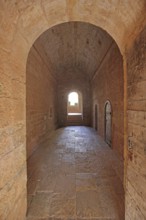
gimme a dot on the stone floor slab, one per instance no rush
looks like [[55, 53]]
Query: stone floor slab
[[75, 176]]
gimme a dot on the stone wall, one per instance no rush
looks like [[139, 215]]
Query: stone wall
[[108, 84], [13, 179], [136, 170], [73, 80], [41, 100], [21, 24]]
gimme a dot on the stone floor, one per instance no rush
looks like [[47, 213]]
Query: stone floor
[[74, 176]]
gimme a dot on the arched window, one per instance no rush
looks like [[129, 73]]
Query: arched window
[[73, 98], [108, 123], [74, 103]]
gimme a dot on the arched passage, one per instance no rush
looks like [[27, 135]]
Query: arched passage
[[29, 21], [67, 58]]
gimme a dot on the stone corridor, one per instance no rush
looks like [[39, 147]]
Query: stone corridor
[[73, 176]]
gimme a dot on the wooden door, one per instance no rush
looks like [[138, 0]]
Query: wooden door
[[108, 123], [96, 118]]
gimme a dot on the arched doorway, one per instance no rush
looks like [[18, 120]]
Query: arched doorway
[[108, 123], [96, 118]]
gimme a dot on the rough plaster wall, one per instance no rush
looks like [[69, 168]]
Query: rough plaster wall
[[108, 85], [41, 97], [74, 80], [136, 171]]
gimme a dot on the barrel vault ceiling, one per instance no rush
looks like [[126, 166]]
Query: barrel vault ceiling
[[74, 45]]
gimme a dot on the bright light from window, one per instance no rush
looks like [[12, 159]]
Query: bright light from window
[[73, 98]]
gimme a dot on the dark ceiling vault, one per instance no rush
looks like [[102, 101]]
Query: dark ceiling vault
[[74, 45]]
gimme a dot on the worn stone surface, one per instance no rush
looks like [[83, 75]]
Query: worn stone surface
[[136, 181], [108, 84], [76, 178], [41, 99]]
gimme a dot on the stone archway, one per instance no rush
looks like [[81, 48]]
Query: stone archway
[[21, 24]]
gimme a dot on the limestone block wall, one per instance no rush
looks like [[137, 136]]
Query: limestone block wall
[[13, 55], [41, 100], [108, 84], [21, 24], [74, 80], [136, 169]]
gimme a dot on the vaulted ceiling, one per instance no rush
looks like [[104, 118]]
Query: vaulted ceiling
[[74, 45]]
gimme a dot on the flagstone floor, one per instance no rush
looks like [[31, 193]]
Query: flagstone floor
[[75, 176]]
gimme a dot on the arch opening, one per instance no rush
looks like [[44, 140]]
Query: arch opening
[[73, 99], [74, 108], [74, 104], [69, 66]]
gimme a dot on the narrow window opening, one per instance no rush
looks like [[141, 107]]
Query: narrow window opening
[[73, 99], [74, 106]]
